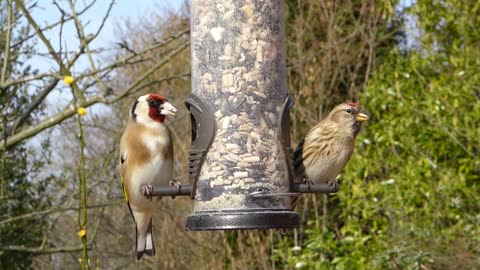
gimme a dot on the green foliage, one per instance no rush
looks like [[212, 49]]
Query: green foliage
[[410, 195], [23, 195], [331, 48]]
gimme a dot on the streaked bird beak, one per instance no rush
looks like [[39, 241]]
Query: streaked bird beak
[[362, 117], [168, 109]]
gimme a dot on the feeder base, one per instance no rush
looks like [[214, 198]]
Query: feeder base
[[242, 220]]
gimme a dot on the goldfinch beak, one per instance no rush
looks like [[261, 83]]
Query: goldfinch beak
[[362, 117], [168, 109]]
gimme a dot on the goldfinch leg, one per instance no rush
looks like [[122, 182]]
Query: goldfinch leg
[[147, 190], [176, 183]]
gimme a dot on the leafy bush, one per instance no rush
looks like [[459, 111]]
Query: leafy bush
[[409, 199]]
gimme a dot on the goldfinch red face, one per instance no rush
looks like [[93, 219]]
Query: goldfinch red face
[[152, 107]]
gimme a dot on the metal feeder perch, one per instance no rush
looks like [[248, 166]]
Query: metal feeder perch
[[239, 162]]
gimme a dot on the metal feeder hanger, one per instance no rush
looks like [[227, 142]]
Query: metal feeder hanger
[[240, 159]]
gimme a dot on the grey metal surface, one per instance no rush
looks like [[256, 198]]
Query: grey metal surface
[[172, 191], [317, 188], [297, 190], [242, 220]]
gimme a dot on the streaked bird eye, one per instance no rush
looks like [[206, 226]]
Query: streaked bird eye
[[348, 110]]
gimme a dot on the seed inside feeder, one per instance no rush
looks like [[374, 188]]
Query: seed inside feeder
[[240, 73]]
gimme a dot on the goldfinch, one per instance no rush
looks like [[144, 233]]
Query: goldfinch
[[146, 159], [328, 146]]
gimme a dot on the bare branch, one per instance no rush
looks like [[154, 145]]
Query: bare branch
[[179, 76], [84, 42], [64, 70], [7, 42], [9, 134], [57, 119], [40, 250], [51, 26], [70, 111], [126, 60], [134, 85], [26, 216], [25, 79], [39, 98], [58, 209]]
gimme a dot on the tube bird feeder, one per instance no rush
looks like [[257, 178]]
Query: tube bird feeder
[[239, 160]]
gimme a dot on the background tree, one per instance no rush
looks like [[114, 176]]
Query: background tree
[[49, 210], [22, 185], [407, 197]]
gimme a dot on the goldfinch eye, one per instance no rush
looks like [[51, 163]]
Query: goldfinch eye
[[152, 102], [348, 110]]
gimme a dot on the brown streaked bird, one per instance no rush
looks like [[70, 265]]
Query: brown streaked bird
[[328, 146], [146, 159]]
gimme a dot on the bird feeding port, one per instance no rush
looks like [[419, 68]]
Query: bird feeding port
[[239, 162]]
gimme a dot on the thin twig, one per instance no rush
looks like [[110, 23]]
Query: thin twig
[[125, 60], [63, 68], [82, 211], [52, 121], [134, 85], [51, 26], [58, 209], [85, 40], [6, 55], [23, 249]]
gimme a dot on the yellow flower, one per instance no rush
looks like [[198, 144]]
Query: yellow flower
[[82, 111], [68, 80], [82, 233]]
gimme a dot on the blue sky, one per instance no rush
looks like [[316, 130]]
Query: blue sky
[[47, 13]]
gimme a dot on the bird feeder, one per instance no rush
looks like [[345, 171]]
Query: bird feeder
[[239, 162], [239, 98]]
